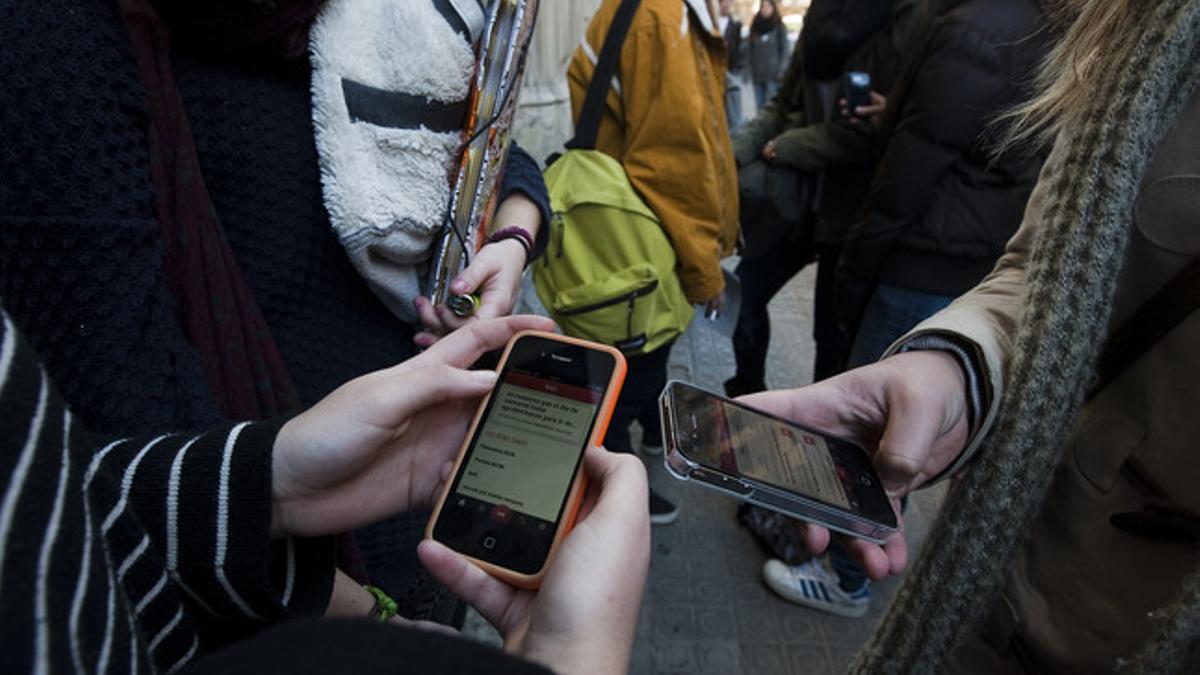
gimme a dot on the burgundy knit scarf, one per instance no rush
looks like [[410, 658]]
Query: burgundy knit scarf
[[214, 305]]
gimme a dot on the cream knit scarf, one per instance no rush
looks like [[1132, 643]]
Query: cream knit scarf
[[1073, 273]]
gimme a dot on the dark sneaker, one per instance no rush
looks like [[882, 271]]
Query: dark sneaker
[[662, 512], [735, 387]]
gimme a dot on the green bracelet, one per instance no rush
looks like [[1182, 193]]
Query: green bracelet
[[385, 607]]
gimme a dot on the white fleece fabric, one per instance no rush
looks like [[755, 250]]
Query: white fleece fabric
[[387, 190]]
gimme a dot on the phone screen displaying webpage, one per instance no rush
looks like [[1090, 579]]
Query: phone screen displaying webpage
[[526, 451], [748, 444], [510, 491], [743, 442]]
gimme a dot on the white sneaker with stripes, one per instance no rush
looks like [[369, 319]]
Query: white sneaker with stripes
[[813, 585]]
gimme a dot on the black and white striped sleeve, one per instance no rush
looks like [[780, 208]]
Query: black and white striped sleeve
[[205, 504], [193, 510]]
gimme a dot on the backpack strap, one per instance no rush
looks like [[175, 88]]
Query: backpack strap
[[588, 126], [1171, 304]]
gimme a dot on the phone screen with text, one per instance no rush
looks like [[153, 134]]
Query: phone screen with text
[[743, 442], [527, 448], [778, 454], [512, 487]]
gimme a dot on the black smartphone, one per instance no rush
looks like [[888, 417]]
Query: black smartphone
[[858, 90], [518, 481], [770, 462]]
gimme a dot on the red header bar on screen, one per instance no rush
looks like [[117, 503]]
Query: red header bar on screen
[[553, 388]]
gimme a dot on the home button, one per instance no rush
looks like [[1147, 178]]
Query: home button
[[489, 541]]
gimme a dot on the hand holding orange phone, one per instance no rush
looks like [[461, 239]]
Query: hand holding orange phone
[[518, 482]]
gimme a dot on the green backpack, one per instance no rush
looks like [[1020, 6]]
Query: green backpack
[[608, 274]]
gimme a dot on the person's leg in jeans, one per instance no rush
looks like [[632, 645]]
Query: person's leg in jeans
[[851, 576], [760, 95], [891, 312], [651, 422], [833, 343], [644, 380], [761, 279], [770, 89]]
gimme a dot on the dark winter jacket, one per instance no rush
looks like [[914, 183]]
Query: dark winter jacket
[[808, 140], [734, 46], [942, 206], [768, 52], [834, 29]]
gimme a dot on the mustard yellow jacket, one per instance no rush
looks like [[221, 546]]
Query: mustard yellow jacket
[[665, 122]]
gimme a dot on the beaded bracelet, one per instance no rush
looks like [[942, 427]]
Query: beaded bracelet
[[385, 607], [518, 233]]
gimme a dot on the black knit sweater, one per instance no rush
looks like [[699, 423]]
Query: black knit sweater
[[80, 260], [131, 555], [140, 555]]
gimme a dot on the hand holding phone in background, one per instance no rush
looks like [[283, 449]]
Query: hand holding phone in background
[[861, 103], [857, 86], [771, 462]]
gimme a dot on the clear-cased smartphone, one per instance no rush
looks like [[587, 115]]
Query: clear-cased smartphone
[[771, 462], [518, 482], [858, 90]]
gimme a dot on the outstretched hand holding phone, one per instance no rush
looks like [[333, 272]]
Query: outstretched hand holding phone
[[910, 410]]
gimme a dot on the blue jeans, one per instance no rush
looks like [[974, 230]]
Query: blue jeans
[[733, 101], [763, 91], [891, 312]]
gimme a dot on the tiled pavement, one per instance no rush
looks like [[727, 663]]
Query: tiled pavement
[[706, 609]]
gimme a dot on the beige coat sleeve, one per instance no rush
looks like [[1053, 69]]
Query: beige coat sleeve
[[986, 318]]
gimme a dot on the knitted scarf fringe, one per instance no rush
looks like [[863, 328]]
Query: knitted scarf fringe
[[1075, 263]]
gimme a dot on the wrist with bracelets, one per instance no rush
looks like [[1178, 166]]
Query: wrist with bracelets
[[384, 608], [518, 234]]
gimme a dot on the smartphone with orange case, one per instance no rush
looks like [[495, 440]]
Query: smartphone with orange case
[[518, 481]]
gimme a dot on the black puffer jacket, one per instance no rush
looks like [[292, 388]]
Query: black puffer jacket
[[942, 206]]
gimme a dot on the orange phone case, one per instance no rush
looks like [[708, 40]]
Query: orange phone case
[[578, 483]]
